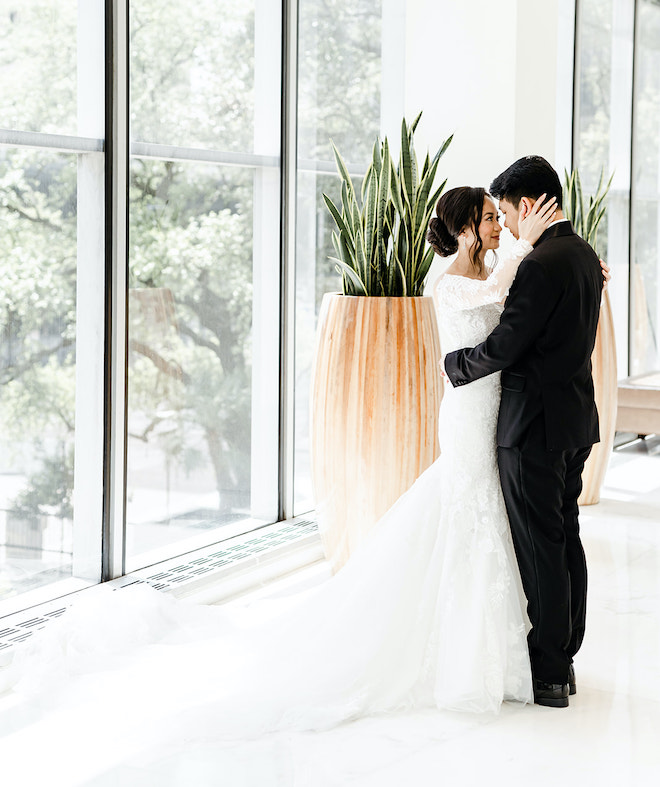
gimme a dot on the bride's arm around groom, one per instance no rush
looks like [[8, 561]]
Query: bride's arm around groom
[[547, 421]]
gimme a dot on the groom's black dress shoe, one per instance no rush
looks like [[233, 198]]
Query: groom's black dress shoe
[[555, 695], [572, 687]]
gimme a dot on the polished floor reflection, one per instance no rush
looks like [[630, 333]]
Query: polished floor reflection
[[608, 735]]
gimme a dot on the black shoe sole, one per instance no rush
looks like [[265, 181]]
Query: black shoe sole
[[552, 702]]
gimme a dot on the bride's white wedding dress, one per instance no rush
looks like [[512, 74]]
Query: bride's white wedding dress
[[428, 613]]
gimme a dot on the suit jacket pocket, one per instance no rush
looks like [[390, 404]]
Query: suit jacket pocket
[[513, 382]]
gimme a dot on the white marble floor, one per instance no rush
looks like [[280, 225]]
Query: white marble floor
[[610, 734]]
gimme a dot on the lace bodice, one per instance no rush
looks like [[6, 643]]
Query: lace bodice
[[459, 292], [466, 327], [469, 309]]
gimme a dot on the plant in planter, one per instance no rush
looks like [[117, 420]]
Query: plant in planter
[[376, 387], [585, 219], [381, 240]]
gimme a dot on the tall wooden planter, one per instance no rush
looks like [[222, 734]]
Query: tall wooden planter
[[603, 362], [376, 393]]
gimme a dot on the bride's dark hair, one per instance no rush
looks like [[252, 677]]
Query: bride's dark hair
[[457, 209]]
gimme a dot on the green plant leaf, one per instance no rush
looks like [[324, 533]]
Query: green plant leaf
[[369, 207], [445, 145], [585, 221], [355, 280], [593, 235], [406, 167], [382, 201], [346, 250], [413, 127], [343, 169], [436, 195], [337, 216], [376, 160], [335, 242], [361, 262], [381, 236], [346, 205], [395, 192], [421, 201], [402, 274], [422, 272], [365, 182]]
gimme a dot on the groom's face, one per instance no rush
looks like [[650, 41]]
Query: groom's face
[[511, 216]]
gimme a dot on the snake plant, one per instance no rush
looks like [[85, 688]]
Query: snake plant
[[380, 237], [585, 218]]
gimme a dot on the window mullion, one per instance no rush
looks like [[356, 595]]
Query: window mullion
[[117, 152], [289, 143]]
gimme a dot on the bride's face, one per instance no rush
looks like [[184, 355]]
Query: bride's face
[[489, 228]]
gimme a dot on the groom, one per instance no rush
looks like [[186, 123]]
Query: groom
[[547, 421]]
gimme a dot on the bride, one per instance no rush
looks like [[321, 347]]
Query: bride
[[429, 612]]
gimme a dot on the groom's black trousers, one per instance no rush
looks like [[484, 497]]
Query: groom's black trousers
[[541, 489]]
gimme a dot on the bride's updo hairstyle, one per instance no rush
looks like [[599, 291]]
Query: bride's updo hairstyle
[[457, 209]]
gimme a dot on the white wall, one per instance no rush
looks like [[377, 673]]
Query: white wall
[[497, 75]]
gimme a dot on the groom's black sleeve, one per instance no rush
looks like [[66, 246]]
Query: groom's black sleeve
[[531, 300]]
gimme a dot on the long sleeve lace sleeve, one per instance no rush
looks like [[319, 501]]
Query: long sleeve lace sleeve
[[459, 292]]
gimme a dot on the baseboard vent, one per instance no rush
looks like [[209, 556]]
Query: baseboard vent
[[242, 553], [185, 575], [21, 630]]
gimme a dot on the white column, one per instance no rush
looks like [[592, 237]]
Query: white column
[[536, 85], [393, 68], [460, 70]]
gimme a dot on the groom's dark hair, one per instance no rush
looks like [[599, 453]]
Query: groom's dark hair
[[530, 176]]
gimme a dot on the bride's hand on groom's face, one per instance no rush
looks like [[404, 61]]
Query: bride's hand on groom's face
[[534, 220]]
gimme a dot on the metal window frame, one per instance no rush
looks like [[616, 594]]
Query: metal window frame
[[118, 151], [633, 191], [59, 143], [631, 152], [288, 198], [116, 278]]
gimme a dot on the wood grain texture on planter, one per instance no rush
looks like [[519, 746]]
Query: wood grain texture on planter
[[376, 393]]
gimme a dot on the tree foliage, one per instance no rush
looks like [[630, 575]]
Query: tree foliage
[[190, 240]]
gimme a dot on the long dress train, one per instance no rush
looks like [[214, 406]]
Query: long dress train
[[429, 612]]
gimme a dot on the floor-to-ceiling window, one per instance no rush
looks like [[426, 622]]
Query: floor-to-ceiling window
[[603, 103], [203, 268], [618, 129], [645, 214], [141, 356], [51, 276]]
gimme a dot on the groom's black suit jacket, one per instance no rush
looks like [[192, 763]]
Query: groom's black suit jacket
[[543, 344]]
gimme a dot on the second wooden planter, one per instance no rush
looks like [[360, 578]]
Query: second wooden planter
[[603, 364], [376, 394]]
